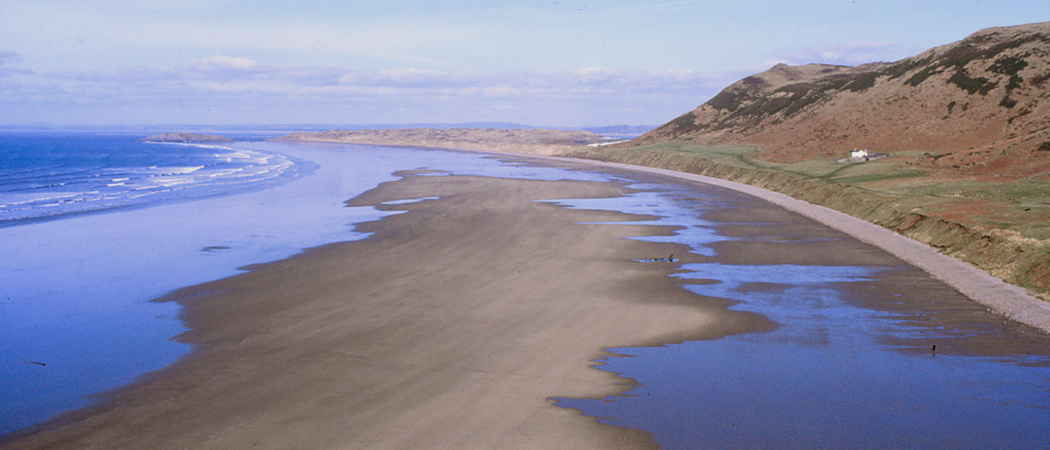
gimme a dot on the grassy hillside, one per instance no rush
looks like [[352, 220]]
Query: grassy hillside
[[980, 106], [1001, 226], [966, 127]]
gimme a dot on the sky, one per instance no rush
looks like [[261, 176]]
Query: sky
[[544, 63]]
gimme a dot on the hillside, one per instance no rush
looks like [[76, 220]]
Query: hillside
[[979, 106], [965, 129]]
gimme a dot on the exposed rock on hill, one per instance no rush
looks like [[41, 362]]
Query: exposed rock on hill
[[980, 106]]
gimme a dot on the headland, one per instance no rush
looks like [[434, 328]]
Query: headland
[[187, 138]]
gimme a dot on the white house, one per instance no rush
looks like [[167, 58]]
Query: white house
[[858, 153]]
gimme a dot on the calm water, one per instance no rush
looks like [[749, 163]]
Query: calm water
[[852, 363]]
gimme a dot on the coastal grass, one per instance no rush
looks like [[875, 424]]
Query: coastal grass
[[999, 224]]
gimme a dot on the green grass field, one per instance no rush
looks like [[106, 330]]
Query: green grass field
[[1002, 226], [1022, 206]]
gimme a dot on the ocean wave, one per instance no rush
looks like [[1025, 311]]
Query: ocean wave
[[166, 171], [33, 193]]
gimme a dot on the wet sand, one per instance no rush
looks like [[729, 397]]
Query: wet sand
[[451, 327], [1012, 302]]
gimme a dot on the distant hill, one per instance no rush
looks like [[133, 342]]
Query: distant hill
[[612, 131], [186, 138], [979, 106], [533, 141], [618, 131]]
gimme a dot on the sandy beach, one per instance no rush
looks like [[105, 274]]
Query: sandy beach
[[449, 328], [452, 326]]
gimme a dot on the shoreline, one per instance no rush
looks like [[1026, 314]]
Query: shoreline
[[320, 272], [1013, 302], [452, 325], [1005, 299]]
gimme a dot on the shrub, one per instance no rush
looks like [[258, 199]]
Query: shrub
[[899, 69], [862, 82], [686, 123], [922, 75], [803, 102], [1039, 79], [753, 81], [980, 85], [727, 99], [1009, 65]]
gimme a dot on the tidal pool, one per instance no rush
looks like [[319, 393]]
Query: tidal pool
[[868, 352]]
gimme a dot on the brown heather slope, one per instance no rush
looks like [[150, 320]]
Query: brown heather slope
[[979, 106], [966, 128]]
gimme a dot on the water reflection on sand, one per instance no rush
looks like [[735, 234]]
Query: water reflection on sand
[[869, 352]]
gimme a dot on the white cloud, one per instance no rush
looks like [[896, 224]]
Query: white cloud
[[223, 63], [849, 54], [296, 94], [88, 36], [502, 91]]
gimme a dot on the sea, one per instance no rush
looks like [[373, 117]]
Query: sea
[[93, 226]]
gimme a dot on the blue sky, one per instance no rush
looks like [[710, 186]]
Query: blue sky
[[554, 63]]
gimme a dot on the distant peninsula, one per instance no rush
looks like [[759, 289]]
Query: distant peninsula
[[534, 141], [187, 138]]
